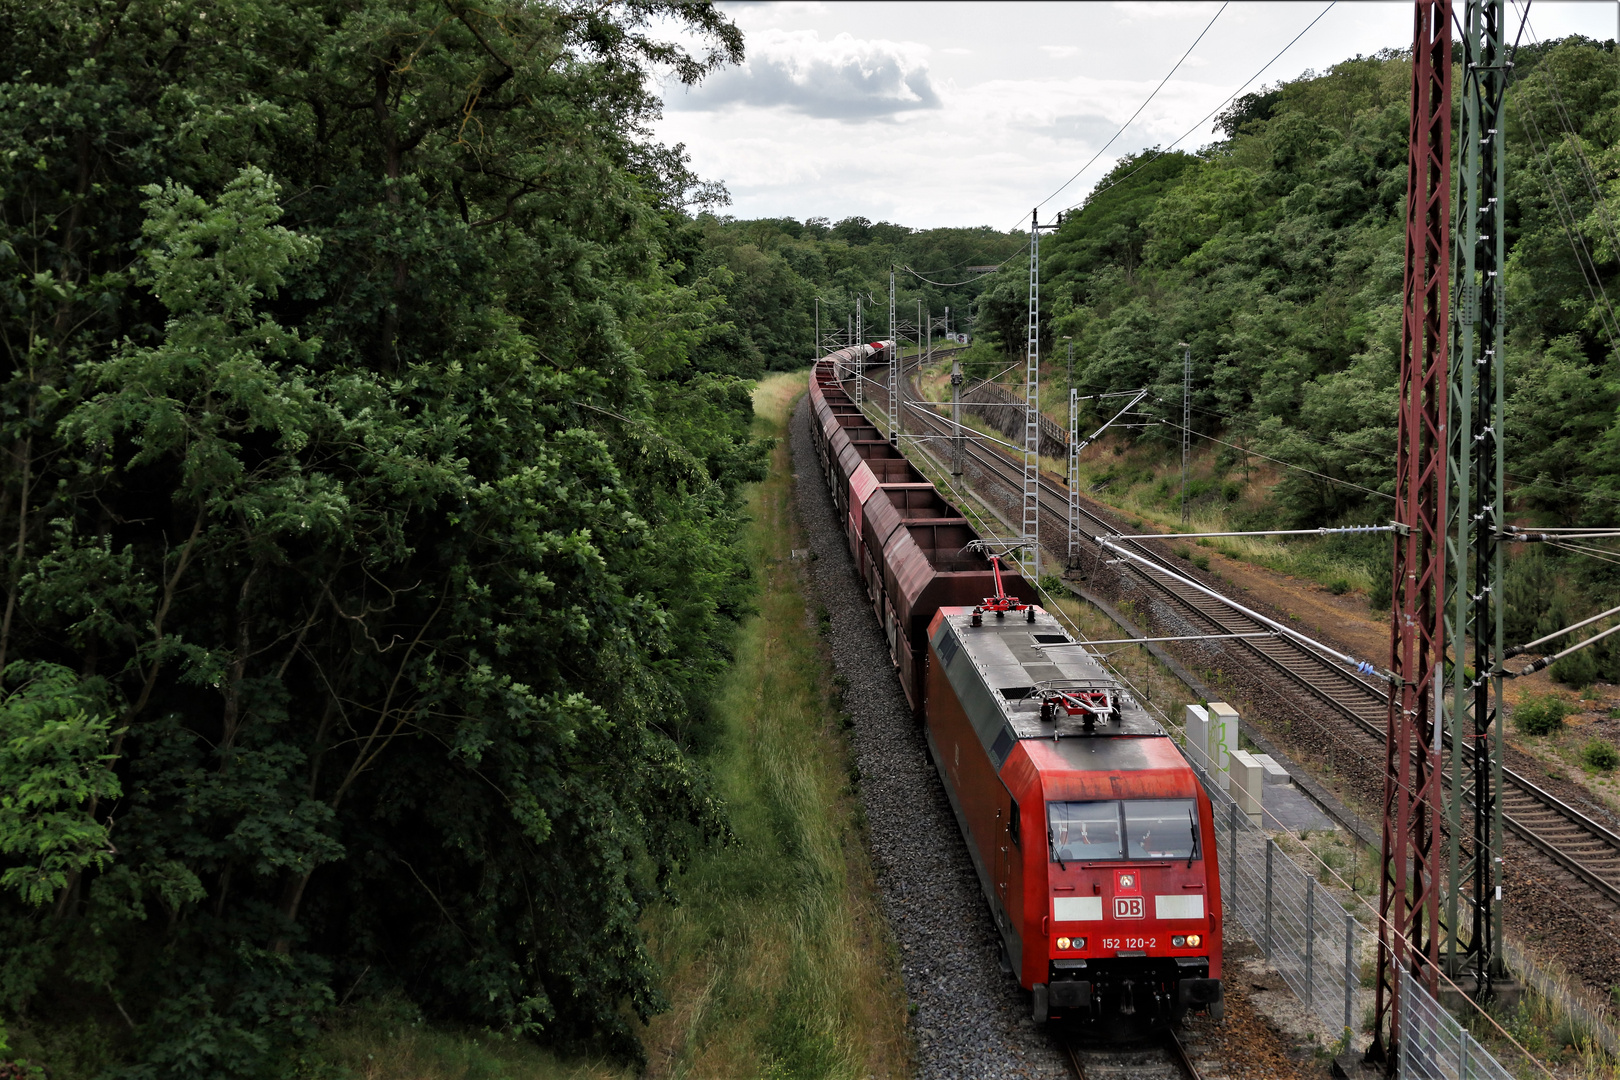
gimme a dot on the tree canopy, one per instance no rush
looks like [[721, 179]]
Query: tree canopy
[[370, 460]]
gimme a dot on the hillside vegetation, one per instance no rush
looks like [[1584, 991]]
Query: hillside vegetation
[[1276, 253]]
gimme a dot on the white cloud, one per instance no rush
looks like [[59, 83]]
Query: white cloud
[[846, 78], [1060, 51], [1160, 11]]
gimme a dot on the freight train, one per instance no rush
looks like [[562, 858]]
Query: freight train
[[1093, 840]]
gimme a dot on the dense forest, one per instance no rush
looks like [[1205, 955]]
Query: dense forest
[[775, 269], [370, 461], [1276, 253], [375, 409]]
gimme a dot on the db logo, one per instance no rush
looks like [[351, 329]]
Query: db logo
[[1128, 907]]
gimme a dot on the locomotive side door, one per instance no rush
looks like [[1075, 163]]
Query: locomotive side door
[[1006, 837]]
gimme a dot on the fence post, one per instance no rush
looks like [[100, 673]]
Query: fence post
[[1234, 860], [1310, 937], [1350, 979], [1271, 846]]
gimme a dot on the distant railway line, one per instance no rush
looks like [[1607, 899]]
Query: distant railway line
[[1571, 839]]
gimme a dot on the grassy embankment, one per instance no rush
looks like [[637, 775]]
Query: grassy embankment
[[1143, 480], [778, 962]]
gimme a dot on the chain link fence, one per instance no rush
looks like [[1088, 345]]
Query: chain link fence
[[1311, 940], [1434, 1046]]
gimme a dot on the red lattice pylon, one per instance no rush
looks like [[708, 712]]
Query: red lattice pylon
[[1408, 930]]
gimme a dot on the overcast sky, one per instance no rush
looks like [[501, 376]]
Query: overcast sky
[[971, 113]]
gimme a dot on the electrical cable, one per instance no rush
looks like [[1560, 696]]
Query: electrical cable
[[1564, 208], [1279, 461], [1520, 477], [1594, 189], [1157, 153], [1132, 120], [969, 281]]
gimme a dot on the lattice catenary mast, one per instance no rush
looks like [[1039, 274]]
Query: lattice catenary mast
[[1474, 565], [1031, 530], [1408, 928], [894, 369]]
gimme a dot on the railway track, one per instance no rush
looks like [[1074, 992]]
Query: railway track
[[1163, 1059], [1580, 845]]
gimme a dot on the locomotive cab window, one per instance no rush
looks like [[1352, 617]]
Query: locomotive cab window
[[1132, 829], [1161, 828], [1083, 830]]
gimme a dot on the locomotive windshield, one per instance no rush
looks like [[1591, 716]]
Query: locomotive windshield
[[1084, 830], [1151, 828], [1161, 828]]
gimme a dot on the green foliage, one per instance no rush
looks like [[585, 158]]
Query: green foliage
[[1276, 254], [1600, 754], [372, 453], [775, 268], [53, 772], [1579, 669], [1541, 715]]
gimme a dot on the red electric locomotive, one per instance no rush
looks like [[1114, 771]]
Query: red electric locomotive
[[1093, 840]]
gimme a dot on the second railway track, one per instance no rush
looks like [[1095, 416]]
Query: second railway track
[[1573, 840]]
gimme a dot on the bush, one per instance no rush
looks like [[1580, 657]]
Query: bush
[[1201, 561], [1379, 594], [1339, 586], [1578, 669], [1541, 716], [1600, 754]]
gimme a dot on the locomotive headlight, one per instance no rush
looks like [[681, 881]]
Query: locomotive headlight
[[1063, 943], [1178, 942], [1193, 940], [1079, 942]]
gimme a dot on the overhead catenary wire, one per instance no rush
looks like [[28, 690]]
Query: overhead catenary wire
[[1279, 461], [1347, 445], [1594, 188], [1132, 119], [971, 280], [1157, 153]]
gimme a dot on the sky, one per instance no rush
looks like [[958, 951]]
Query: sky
[[935, 114]]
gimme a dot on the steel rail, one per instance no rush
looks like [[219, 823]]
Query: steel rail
[[1174, 1051], [1302, 667]]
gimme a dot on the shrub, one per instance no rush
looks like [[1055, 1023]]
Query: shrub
[[1183, 552], [1578, 669], [1338, 586], [1600, 754], [1541, 716], [1201, 561], [1378, 596]]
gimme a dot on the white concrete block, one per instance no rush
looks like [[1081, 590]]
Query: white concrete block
[[1198, 737], [1275, 773], [1223, 735], [1247, 783]]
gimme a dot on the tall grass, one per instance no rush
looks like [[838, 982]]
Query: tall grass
[[779, 960]]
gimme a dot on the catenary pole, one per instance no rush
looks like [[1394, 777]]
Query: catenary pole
[[1474, 565], [1030, 532], [1408, 902], [1186, 421], [894, 369]]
